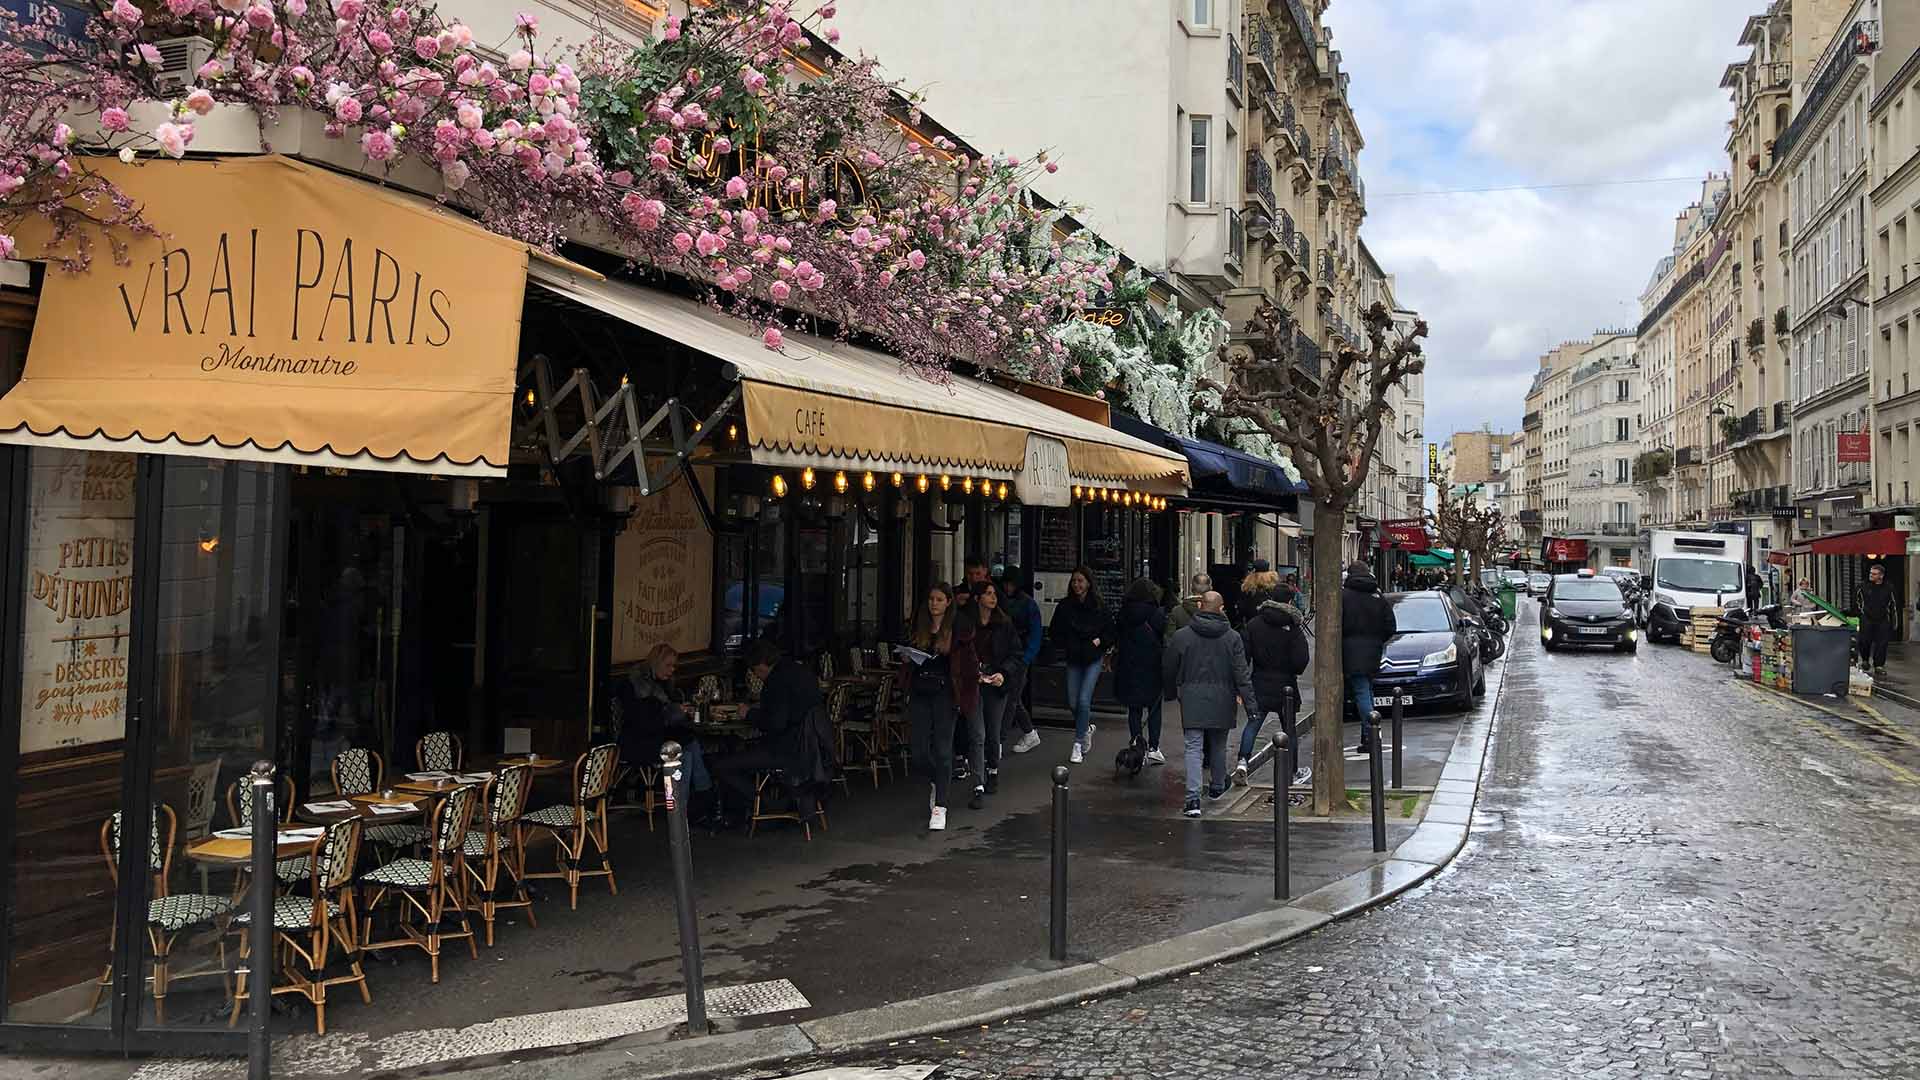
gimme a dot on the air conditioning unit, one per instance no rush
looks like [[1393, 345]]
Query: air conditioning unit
[[179, 58]]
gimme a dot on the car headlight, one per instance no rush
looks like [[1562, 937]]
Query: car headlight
[[1633, 635], [1546, 633], [1445, 656], [1664, 598]]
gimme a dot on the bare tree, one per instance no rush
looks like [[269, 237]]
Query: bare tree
[[1329, 418], [1472, 531]]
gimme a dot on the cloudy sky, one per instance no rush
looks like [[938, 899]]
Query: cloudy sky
[[1455, 94]]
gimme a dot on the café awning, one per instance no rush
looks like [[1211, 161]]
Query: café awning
[[1220, 474], [1863, 542], [831, 404], [285, 314]]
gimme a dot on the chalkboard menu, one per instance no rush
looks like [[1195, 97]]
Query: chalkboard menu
[[1057, 553], [1107, 554]]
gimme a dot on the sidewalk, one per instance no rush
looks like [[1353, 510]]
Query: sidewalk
[[873, 912], [1901, 683]]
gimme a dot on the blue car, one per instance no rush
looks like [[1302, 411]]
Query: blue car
[[1433, 658]]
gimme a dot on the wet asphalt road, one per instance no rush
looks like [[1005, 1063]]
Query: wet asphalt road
[[1671, 874]]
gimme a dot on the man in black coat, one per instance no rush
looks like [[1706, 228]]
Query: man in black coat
[[1366, 622], [1879, 614], [1277, 645], [786, 716]]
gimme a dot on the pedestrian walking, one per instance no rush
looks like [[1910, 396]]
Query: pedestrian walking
[[1139, 633], [1366, 622], [974, 575], [1082, 630], [998, 648], [1802, 598], [1753, 589], [1258, 587], [1206, 668], [1277, 648], [1182, 612], [930, 708], [1017, 601], [1879, 614]]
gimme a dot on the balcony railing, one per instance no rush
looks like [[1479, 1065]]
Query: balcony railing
[[1303, 251], [1531, 420], [1688, 455], [1284, 231], [1782, 416], [1236, 239], [1306, 355], [1303, 24], [1861, 39], [1326, 270], [1529, 517], [1259, 180], [1260, 43], [1618, 528], [1777, 76], [1236, 69]]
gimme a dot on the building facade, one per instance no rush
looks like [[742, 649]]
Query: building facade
[[1894, 277], [1606, 390]]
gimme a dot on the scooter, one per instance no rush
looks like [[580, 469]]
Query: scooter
[[1735, 623]]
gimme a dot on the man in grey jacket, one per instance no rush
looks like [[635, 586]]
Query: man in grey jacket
[[1206, 668]]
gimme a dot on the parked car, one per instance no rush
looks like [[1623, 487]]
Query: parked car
[[1538, 582], [1515, 578], [1435, 655], [1587, 609]]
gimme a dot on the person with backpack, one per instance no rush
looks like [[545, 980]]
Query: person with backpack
[[1277, 646], [1017, 601], [1138, 634], [1082, 631], [1206, 668]]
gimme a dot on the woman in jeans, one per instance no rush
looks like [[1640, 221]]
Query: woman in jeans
[[930, 699], [998, 646], [1083, 632]]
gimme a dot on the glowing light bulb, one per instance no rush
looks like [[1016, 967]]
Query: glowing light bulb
[[1003, 490], [866, 482], [840, 483], [897, 478], [779, 486], [920, 483], [806, 478], [966, 484]]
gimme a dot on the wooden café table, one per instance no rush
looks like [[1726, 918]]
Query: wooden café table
[[401, 807], [234, 847]]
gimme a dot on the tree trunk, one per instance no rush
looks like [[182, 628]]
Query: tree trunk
[[1459, 557], [1329, 691], [1477, 567]]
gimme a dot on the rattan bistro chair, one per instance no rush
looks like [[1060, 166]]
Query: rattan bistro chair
[[433, 889], [167, 914], [240, 813], [584, 820], [360, 771], [498, 845], [308, 929], [439, 750]]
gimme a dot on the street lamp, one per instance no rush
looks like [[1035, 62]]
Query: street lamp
[[1259, 226], [1839, 308]]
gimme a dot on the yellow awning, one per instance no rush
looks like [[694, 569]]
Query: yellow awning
[[815, 402], [285, 313]]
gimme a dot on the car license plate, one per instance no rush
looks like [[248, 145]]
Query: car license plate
[[1405, 699], [1593, 629]]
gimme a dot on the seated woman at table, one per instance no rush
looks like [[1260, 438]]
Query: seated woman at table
[[790, 701], [654, 710]]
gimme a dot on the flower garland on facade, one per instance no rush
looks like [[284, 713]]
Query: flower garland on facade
[[706, 151]]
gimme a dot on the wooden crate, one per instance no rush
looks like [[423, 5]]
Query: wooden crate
[[1699, 633]]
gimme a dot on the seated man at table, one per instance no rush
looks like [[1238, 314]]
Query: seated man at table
[[789, 709], [653, 711]]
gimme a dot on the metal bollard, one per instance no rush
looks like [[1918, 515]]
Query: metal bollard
[[1399, 714], [1289, 719], [1378, 791], [266, 817], [1282, 856], [682, 845], [1057, 917]]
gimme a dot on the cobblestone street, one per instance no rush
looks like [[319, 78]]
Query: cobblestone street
[[1671, 874]]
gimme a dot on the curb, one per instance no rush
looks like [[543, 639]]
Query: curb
[[1435, 842]]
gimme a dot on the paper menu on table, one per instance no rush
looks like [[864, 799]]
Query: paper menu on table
[[383, 808], [338, 807], [433, 775]]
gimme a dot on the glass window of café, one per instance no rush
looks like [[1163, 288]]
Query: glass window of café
[[145, 594]]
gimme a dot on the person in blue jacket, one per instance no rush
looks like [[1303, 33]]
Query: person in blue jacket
[[1016, 599]]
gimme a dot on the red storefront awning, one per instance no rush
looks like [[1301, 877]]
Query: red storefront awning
[[1864, 542], [1409, 534]]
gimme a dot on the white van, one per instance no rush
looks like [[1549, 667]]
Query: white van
[[1689, 570]]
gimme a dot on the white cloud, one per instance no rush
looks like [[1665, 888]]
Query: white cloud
[[1490, 93]]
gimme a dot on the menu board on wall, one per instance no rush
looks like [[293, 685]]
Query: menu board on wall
[[79, 601], [1107, 555], [663, 575], [1057, 553]]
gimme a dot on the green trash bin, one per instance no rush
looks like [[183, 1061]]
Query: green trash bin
[[1507, 601]]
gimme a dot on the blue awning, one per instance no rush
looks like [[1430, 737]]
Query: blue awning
[[1217, 469]]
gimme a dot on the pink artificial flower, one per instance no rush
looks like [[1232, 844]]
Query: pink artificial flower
[[113, 119], [772, 339], [777, 174], [694, 115], [710, 243], [917, 259], [426, 48], [722, 145], [259, 16], [538, 83], [377, 145], [1053, 166], [672, 32], [833, 35], [200, 101], [736, 188], [753, 80], [828, 208], [380, 41], [526, 23], [456, 174], [886, 278], [620, 178], [780, 290], [861, 237], [296, 8], [349, 9], [173, 138], [521, 60], [149, 55], [682, 243], [181, 8], [348, 110], [400, 18], [659, 162], [233, 7], [125, 14], [826, 11], [469, 115], [872, 159]]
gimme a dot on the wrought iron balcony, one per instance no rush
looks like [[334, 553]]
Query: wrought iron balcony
[[1618, 528], [1530, 517], [1325, 277], [1862, 39], [1261, 46], [1688, 456], [1236, 239], [1283, 232], [1303, 25], [1307, 356], [1236, 70], [1259, 180]]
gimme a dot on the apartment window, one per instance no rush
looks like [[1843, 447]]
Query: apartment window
[[1621, 513], [1622, 390], [1202, 12], [1620, 429], [1201, 129], [1621, 473]]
